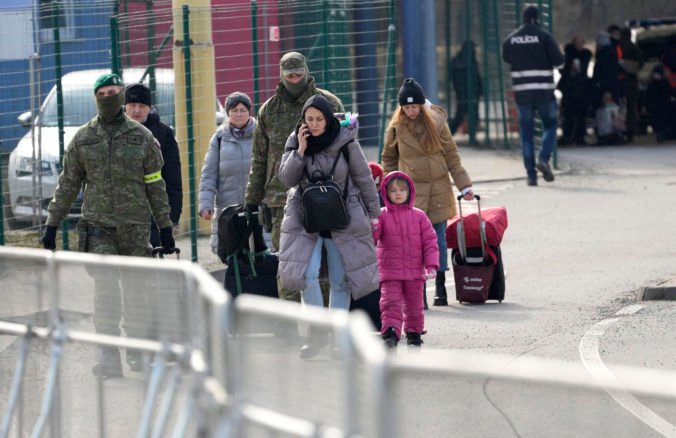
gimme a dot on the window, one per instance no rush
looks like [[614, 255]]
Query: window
[[64, 17]]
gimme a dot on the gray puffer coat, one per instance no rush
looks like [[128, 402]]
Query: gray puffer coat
[[225, 172], [355, 243]]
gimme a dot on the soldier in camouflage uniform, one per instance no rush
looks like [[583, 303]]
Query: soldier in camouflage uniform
[[120, 165], [277, 118]]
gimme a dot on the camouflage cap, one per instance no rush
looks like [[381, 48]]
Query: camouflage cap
[[292, 62], [107, 79]]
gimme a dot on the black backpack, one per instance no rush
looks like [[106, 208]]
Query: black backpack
[[323, 203], [234, 229]]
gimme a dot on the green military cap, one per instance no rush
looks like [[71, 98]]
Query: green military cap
[[292, 62], [107, 79]]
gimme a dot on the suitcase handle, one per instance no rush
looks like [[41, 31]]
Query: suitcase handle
[[162, 251], [462, 245]]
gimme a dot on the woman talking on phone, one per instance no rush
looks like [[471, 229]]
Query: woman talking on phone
[[318, 145]]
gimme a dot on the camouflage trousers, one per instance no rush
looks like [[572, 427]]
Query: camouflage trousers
[[274, 216], [119, 292]]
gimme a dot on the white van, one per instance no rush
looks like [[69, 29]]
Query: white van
[[31, 185]]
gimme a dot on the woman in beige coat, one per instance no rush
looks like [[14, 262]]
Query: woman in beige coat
[[419, 143]]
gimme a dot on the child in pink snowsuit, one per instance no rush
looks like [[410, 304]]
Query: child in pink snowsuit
[[407, 255]]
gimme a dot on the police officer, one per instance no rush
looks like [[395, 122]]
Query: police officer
[[120, 166], [533, 54], [138, 106], [277, 118]]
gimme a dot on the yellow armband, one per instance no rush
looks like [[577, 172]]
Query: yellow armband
[[153, 177]]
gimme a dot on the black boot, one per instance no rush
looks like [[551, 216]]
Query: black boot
[[414, 339], [440, 298], [109, 364], [390, 338], [318, 338]]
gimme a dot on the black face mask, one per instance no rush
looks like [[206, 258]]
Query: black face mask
[[109, 107]]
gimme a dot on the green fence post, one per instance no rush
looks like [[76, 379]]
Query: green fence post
[[254, 53], [114, 45], [470, 76], [390, 73], [325, 45], [191, 137], [501, 83], [59, 102], [449, 71], [150, 20], [2, 205]]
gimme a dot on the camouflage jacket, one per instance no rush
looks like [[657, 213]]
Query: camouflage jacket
[[277, 118], [121, 173]]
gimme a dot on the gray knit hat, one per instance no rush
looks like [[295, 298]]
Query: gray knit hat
[[236, 98]]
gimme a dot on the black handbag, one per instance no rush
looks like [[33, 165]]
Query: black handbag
[[323, 203]]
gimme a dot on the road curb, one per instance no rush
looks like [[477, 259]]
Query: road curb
[[665, 290]]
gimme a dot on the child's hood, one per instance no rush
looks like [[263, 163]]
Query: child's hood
[[386, 182]]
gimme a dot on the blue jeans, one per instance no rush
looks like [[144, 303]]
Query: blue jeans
[[339, 297], [440, 229], [547, 112]]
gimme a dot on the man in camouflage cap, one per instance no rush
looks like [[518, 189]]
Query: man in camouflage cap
[[277, 118], [120, 165]]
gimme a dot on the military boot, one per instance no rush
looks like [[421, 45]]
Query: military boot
[[440, 298], [390, 338], [109, 364], [414, 339], [316, 341]]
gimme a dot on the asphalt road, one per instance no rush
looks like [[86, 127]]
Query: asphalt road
[[576, 252]]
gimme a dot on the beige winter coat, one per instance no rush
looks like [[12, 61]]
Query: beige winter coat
[[428, 168], [355, 243]]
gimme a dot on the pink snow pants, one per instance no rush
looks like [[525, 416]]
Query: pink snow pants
[[402, 301]]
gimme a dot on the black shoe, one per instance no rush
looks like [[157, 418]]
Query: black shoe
[[533, 181], [315, 342], [109, 364], [414, 339], [547, 173], [135, 361], [390, 338], [440, 298]]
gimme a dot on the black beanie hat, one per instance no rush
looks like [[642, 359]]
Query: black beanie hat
[[137, 93], [530, 13], [411, 92], [235, 99]]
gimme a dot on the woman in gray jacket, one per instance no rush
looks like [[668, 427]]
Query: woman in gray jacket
[[225, 172], [351, 256]]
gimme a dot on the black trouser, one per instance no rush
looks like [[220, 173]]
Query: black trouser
[[574, 120], [630, 89]]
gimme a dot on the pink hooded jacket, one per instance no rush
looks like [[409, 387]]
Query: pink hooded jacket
[[406, 243]]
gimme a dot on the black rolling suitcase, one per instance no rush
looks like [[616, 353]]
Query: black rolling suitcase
[[252, 267], [371, 305]]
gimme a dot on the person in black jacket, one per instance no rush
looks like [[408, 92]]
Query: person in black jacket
[[574, 86], [138, 106], [465, 70], [533, 55]]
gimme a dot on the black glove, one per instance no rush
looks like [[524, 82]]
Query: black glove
[[251, 208], [167, 238], [49, 239]]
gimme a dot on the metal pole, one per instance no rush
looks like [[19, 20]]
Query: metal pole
[[389, 77], [325, 45], [114, 45], [449, 72], [59, 101], [254, 53], [2, 205], [486, 83], [469, 76], [150, 20], [500, 76], [191, 138]]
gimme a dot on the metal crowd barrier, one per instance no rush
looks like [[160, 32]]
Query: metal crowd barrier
[[232, 369]]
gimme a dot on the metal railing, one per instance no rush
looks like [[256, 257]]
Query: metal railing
[[233, 369]]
